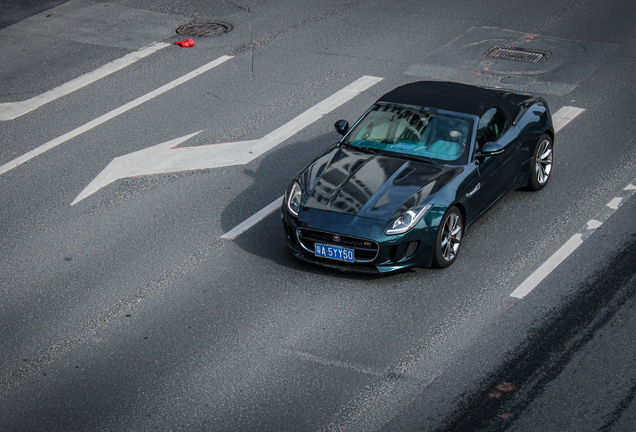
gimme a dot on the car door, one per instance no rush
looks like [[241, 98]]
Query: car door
[[469, 192], [498, 172]]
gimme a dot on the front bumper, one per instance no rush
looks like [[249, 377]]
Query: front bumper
[[393, 252]]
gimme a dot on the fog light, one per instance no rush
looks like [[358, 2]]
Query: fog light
[[411, 248]]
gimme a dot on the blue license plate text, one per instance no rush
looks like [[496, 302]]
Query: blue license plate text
[[333, 252]]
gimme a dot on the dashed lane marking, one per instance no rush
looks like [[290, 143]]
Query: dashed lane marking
[[564, 116], [613, 204], [573, 243]]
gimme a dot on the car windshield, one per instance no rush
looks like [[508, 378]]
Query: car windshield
[[408, 131]]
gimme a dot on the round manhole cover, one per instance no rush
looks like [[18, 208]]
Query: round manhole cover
[[209, 28]]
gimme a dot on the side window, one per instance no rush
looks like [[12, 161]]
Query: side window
[[491, 125]]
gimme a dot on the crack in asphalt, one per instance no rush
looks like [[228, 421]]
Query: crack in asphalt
[[559, 16], [279, 34]]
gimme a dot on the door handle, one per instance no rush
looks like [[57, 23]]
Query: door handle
[[474, 191]]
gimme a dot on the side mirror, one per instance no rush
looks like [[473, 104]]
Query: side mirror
[[342, 126], [490, 149]]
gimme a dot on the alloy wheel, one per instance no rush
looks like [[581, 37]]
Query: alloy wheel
[[544, 161], [451, 237]]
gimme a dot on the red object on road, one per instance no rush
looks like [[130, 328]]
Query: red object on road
[[185, 43]]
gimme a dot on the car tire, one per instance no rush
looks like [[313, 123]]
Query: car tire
[[449, 237], [541, 165]]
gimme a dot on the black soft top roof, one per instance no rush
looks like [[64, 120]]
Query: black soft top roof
[[451, 96]]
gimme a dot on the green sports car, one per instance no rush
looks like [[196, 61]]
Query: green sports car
[[421, 165]]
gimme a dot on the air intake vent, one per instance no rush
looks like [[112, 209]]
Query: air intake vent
[[356, 165], [403, 174], [501, 52]]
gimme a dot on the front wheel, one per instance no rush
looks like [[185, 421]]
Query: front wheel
[[541, 167], [449, 237]]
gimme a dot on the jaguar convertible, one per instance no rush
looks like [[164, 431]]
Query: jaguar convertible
[[421, 165]]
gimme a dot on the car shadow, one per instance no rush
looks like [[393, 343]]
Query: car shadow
[[271, 175]]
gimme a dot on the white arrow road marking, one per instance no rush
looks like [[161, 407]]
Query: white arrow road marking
[[110, 115], [165, 158], [141, 162], [12, 110]]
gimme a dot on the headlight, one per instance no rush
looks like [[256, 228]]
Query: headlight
[[293, 199], [408, 220]]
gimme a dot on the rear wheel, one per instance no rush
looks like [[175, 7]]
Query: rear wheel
[[541, 167], [449, 238]]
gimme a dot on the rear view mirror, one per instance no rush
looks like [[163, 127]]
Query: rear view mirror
[[342, 126], [490, 149]]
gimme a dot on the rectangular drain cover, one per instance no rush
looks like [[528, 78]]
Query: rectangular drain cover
[[502, 52]]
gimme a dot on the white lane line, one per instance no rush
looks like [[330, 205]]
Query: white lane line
[[564, 116], [614, 203], [108, 116], [547, 267], [575, 241], [253, 220], [13, 110], [242, 153]]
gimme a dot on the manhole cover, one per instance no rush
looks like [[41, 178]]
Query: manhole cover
[[501, 52], [210, 28]]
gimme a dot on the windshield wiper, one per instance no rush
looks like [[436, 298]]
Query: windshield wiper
[[362, 149], [418, 158]]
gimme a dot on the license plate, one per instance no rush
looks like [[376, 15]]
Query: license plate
[[333, 252]]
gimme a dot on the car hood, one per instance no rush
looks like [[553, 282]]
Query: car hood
[[346, 180]]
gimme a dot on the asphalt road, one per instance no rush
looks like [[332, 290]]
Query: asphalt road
[[128, 311]]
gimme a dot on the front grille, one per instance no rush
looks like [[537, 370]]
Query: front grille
[[364, 250]]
